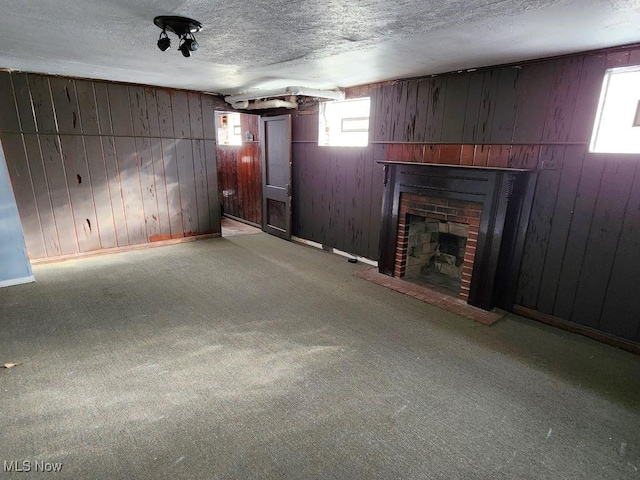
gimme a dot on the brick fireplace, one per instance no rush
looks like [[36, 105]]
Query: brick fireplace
[[466, 224], [437, 239]]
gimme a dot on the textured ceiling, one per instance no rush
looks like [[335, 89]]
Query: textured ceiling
[[275, 43]]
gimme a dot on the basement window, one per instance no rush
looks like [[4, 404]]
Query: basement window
[[617, 126], [344, 123], [229, 129]]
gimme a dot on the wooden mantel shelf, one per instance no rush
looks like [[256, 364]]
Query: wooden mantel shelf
[[466, 167]]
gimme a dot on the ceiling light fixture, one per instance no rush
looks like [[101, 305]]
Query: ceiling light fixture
[[164, 42], [183, 27]]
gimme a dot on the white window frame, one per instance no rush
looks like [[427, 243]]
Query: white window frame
[[331, 125], [616, 128]]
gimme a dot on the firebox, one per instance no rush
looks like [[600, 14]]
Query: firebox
[[436, 242], [436, 252]]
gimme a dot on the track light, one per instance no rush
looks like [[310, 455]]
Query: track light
[[191, 44], [164, 42], [188, 45], [184, 49], [183, 27]]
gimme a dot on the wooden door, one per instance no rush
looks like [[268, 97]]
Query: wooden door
[[275, 138]]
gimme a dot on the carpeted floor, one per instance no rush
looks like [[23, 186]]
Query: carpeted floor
[[253, 357]]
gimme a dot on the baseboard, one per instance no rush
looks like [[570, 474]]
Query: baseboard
[[242, 220], [311, 243], [17, 281], [579, 329], [128, 248]]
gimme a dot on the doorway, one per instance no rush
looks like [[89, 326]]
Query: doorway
[[239, 171]]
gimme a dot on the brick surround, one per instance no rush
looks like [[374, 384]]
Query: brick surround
[[439, 209]]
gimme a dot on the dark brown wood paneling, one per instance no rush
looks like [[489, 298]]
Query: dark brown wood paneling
[[165, 113], [341, 163], [212, 184], [481, 155], [435, 111], [367, 204], [472, 111], [80, 194], [131, 190], [355, 207], [102, 106], [195, 115], [151, 99], [148, 177], [23, 102], [180, 110], [524, 156], [536, 85], [20, 174], [399, 102], [411, 108], [252, 178], [537, 241], [59, 193], [499, 156], [377, 185], [201, 191], [578, 234], [588, 95], [315, 159], [562, 99], [208, 116], [87, 107], [115, 191], [606, 225], [384, 113], [298, 180], [560, 226], [164, 229], [251, 124], [506, 104], [89, 193], [240, 177], [173, 187], [374, 120], [42, 104], [101, 194], [489, 97], [233, 176], [43, 198], [139, 115], [617, 58], [455, 104], [9, 120], [223, 178], [120, 107], [65, 102], [622, 301], [305, 128], [188, 203], [516, 116]]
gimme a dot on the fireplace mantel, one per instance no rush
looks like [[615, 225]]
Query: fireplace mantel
[[503, 222]]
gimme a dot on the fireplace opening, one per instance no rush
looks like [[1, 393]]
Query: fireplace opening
[[435, 253]]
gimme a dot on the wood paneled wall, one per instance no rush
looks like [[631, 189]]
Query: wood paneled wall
[[239, 174], [98, 165], [581, 250]]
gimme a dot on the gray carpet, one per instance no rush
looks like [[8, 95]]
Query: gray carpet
[[252, 357]]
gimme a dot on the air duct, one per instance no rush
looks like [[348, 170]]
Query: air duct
[[286, 92], [291, 102]]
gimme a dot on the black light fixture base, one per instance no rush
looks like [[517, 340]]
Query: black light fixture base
[[178, 25]]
